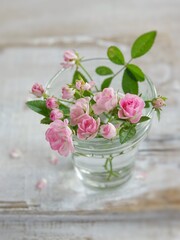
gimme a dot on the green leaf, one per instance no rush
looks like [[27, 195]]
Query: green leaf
[[126, 133], [129, 83], [46, 120], [78, 76], [39, 106], [143, 44], [163, 98], [92, 101], [115, 55], [143, 119], [136, 72], [65, 109], [87, 93], [77, 95], [106, 83], [103, 70], [127, 124]]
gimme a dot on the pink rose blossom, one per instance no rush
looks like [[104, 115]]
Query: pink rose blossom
[[75, 115], [81, 85], [108, 130], [51, 103], [69, 55], [56, 114], [67, 92], [88, 127], [158, 103], [86, 86], [105, 101], [83, 103], [37, 90], [131, 107], [70, 58], [59, 135], [78, 110]]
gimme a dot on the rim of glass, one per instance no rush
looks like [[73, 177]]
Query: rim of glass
[[121, 147]]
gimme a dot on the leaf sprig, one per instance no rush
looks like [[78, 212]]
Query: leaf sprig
[[132, 73]]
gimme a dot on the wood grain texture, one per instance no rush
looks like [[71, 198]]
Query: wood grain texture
[[33, 37]]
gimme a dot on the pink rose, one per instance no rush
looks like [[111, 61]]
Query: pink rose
[[56, 114], [105, 101], [37, 90], [158, 103], [108, 130], [88, 127], [67, 92], [83, 103], [70, 58], [77, 110], [59, 135], [51, 103], [81, 85], [131, 107], [69, 55]]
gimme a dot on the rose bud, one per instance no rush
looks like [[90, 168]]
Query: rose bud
[[37, 90], [108, 131], [158, 103], [70, 58], [67, 92], [51, 103]]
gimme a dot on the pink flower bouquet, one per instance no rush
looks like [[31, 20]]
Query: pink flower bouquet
[[88, 111]]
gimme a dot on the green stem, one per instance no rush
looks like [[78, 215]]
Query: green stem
[[63, 100], [148, 101], [87, 74], [106, 163], [45, 96], [109, 168], [122, 68], [85, 71]]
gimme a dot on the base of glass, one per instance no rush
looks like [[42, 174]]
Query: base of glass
[[102, 180]]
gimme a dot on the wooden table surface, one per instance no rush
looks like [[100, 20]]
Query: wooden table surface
[[33, 36]]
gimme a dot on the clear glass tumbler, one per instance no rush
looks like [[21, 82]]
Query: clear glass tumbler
[[100, 162]]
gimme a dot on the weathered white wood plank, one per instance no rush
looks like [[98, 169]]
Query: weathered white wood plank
[[160, 226]]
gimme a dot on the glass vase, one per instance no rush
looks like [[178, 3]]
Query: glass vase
[[100, 162], [107, 163]]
